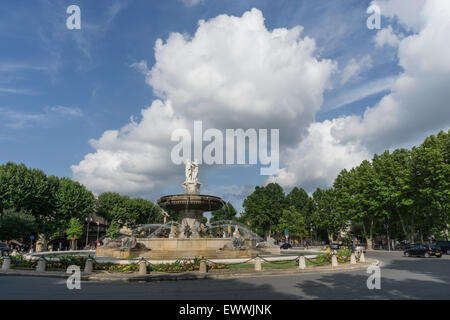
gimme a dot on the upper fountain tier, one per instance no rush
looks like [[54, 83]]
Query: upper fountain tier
[[197, 202], [191, 199]]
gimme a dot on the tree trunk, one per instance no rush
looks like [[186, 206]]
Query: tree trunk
[[364, 227], [369, 239], [402, 223], [413, 229], [330, 237], [446, 231]]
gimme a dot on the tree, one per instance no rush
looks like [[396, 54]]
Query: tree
[[294, 221], [227, 212], [431, 179], [73, 200], [29, 190], [326, 214], [16, 224], [75, 230], [357, 195], [106, 203], [302, 203], [127, 211], [113, 230], [394, 187], [142, 211], [264, 207]]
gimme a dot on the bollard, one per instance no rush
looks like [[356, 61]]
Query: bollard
[[40, 265], [6, 263], [353, 259], [302, 262], [89, 266], [142, 267], [203, 266], [361, 257], [334, 262], [258, 266]]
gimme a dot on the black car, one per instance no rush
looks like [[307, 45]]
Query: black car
[[444, 246], [335, 246], [423, 250], [402, 246], [285, 246], [5, 250]]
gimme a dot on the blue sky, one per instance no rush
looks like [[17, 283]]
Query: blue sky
[[59, 88]]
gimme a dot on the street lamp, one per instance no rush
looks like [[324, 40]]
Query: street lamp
[[98, 229], [87, 232]]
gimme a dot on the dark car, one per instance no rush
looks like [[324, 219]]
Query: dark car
[[444, 246], [402, 246], [5, 250], [423, 250], [335, 246], [360, 247], [285, 246]]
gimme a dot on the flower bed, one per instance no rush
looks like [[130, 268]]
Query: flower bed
[[19, 262], [343, 256]]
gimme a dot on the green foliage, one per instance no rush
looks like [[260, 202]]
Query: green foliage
[[302, 203], [127, 211], [326, 214], [227, 212], [294, 221], [75, 229], [73, 200], [113, 230], [52, 201], [408, 191], [16, 224], [263, 208]]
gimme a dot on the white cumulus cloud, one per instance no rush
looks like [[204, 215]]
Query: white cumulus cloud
[[355, 67], [417, 105], [232, 73]]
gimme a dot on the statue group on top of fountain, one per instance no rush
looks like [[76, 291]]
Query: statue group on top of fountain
[[191, 171], [191, 185]]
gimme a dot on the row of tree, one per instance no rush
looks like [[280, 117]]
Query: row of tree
[[403, 194], [33, 203], [48, 200]]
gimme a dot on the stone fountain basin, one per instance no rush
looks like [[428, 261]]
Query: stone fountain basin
[[182, 202], [175, 248]]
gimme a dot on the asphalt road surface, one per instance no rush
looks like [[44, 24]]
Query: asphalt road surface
[[401, 278]]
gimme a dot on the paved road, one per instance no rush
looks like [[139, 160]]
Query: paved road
[[401, 278]]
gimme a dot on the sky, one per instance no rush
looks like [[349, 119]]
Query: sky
[[99, 104]]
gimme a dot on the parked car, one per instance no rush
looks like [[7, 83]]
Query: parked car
[[335, 246], [444, 246], [423, 250], [285, 246], [5, 250], [360, 247], [402, 246]]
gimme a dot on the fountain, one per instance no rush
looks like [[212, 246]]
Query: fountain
[[190, 237]]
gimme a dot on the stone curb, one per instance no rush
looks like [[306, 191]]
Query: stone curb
[[105, 277]]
